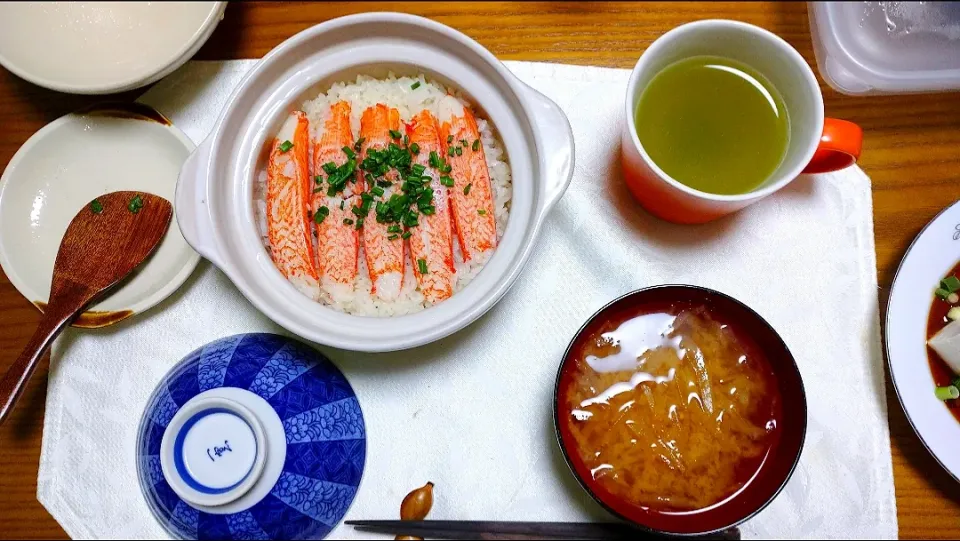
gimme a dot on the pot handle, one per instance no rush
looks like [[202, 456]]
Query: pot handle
[[557, 151], [190, 204]]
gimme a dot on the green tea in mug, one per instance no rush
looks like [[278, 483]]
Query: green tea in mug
[[714, 124]]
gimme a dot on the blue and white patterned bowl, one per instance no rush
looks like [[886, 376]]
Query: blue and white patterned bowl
[[254, 436]]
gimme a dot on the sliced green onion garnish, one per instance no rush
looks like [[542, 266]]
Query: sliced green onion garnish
[[377, 191], [358, 144], [347, 221], [434, 159], [96, 207], [349, 152], [285, 146], [415, 85], [950, 283], [384, 183], [393, 237], [318, 179], [406, 235], [446, 168], [446, 181], [393, 229], [395, 134], [449, 139], [422, 266], [948, 392], [956, 382], [415, 148], [406, 140], [476, 145], [329, 168], [342, 202], [459, 151], [482, 212], [942, 293], [466, 189], [135, 204], [321, 214], [451, 151]]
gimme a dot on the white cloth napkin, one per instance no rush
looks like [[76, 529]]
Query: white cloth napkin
[[472, 413]]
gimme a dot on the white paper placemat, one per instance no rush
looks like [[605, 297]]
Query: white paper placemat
[[473, 413]]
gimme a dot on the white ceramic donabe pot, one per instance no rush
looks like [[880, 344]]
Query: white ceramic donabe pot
[[215, 192]]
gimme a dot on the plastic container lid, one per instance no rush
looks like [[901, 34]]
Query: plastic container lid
[[887, 47]]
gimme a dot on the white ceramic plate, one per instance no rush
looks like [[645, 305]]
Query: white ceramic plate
[[102, 47], [67, 164], [931, 256]]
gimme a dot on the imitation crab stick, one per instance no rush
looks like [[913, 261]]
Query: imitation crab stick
[[337, 188], [431, 243], [383, 247], [471, 198], [287, 199]]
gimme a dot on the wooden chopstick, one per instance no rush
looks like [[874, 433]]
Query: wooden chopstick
[[465, 529]]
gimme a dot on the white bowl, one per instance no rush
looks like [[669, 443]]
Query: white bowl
[[102, 47], [933, 253], [215, 193]]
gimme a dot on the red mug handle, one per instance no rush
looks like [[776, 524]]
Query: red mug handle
[[839, 146]]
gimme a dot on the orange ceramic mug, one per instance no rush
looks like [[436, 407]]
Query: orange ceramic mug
[[816, 145]]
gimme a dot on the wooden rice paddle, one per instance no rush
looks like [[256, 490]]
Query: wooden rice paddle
[[106, 240]]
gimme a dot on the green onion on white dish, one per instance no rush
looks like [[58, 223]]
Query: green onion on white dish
[[922, 334]]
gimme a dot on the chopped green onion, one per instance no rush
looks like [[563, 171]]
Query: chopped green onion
[[342, 202], [96, 207], [418, 169], [393, 237], [446, 168], [446, 181], [950, 283], [359, 143], [942, 293], [321, 214], [349, 152], [466, 189], [956, 382], [377, 191], [285, 146], [429, 210], [464, 143], [318, 179], [482, 212], [451, 151], [347, 221], [449, 139], [422, 266], [434, 159], [135, 204], [459, 151], [415, 148], [359, 223], [947, 392], [384, 183], [406, 140], [406, 235], [476, 145], [415, 85], [393, 229], [395, 134], [329, 168]]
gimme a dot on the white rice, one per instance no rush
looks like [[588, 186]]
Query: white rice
[[396, 92]]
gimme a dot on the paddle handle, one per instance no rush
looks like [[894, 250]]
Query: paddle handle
[[17, 376]]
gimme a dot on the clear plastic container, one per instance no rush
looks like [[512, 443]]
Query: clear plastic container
[[887, 47]]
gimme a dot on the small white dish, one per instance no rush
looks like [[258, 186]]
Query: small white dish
[[933, 253], [67, 164], [102, 47]]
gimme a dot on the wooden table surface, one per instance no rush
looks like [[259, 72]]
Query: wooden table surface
[[911, 151]]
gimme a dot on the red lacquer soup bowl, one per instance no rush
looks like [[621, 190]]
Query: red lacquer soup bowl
[[771, 403]]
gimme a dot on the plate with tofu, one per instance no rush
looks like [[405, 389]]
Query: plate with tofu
[[923, 337]]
